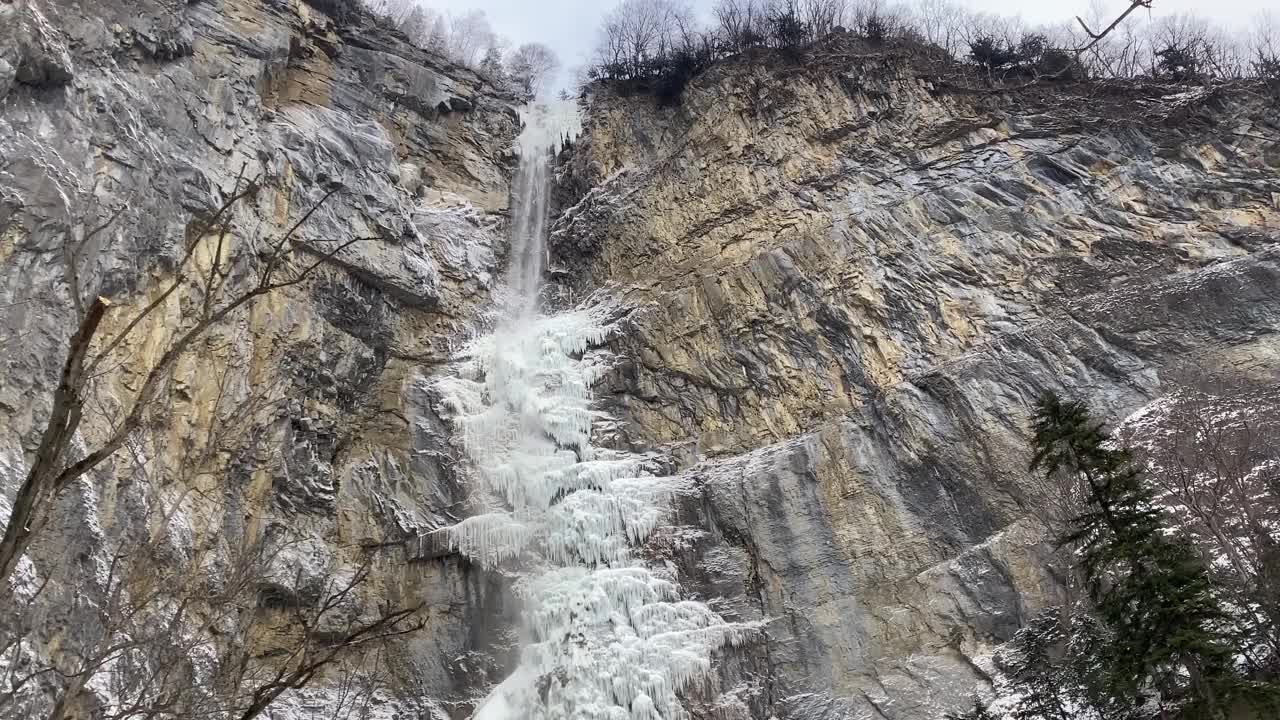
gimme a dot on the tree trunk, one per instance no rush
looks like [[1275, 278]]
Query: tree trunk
[[38, 489]]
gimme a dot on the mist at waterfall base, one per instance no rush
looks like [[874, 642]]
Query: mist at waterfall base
[[603, 637]]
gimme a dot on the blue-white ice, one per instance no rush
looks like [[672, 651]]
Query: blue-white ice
[[605, 638]]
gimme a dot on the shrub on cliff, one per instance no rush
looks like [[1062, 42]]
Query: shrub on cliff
[[877, 27], [988, 52], [1267, 68], [653, 46], [786, 30], [1177, 63], [1058, 64], [979, 711], [342, 12], [681, 66]]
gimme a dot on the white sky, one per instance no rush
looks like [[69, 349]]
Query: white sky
[[569, 26]]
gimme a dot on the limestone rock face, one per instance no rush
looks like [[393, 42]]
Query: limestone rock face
[[309, 410], [843, 284], [849, 287]]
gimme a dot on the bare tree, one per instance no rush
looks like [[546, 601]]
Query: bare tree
[[177, 624], [285, 262], [1119, 54], [363, 682], [531, 66], [397, 11], [822, 17], [1264, 48], [1211, 448], [224, 634], [1187, 47], [1264, 35], [1176, 47], [183, 623], [253, 674], [741, 23], [140, 627], [636, 40], [943, 23], [437, 37], [638, 31], [417, 25], [468, 37]]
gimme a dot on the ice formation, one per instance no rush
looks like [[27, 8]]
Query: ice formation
[[605, 638]]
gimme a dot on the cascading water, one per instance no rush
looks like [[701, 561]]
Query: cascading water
[[604, 637]]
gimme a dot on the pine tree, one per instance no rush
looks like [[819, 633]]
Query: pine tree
[[1052, 668], [491, 67], [1036, 663], [1167, 631], [978, 712]]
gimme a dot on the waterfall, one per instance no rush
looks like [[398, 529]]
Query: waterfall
[[543, 125], [603, 637]]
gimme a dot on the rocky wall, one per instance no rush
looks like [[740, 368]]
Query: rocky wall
[[850, 283], [308, 412]]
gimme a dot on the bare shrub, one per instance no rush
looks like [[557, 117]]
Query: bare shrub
[[532, 66], [1211, 447], [342, 12]]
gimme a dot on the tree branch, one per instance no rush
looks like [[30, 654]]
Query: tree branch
[[64, 418]]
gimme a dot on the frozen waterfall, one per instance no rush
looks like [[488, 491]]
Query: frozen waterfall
[[603, 637]]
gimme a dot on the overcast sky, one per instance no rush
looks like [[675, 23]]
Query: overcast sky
[[569, 26]]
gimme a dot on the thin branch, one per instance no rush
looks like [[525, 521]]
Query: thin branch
[[277, 249], [1097, 37], [62, 424], [178, 281], [149, 388], [215, 261], [71, 256]]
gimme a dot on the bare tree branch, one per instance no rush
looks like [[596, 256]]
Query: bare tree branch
[[49, 475]]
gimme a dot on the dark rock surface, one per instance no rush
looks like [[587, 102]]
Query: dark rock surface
[[850, 287], [844, 287], [155, 112]]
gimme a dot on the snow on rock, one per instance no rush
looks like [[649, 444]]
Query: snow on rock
[[608, 639]]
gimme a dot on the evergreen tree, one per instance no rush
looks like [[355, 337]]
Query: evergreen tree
[[1037, 664], [416, 26], [978, 712], [1167, 632], [1053, 665], [491, 67]]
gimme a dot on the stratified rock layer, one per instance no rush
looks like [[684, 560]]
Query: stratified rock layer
[[312, 403], [846, 285], [851, 285]]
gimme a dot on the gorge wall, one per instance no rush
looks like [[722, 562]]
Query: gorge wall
[[851, 283], [844, 285], [305, 415]]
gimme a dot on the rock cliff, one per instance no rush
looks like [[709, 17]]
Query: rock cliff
[[306, 412], [850, 284], [844, 283]]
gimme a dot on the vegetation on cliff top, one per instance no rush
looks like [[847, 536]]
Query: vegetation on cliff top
[[465, 39], [658, 46]]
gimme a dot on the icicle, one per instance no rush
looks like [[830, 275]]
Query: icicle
[[609, 639]]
